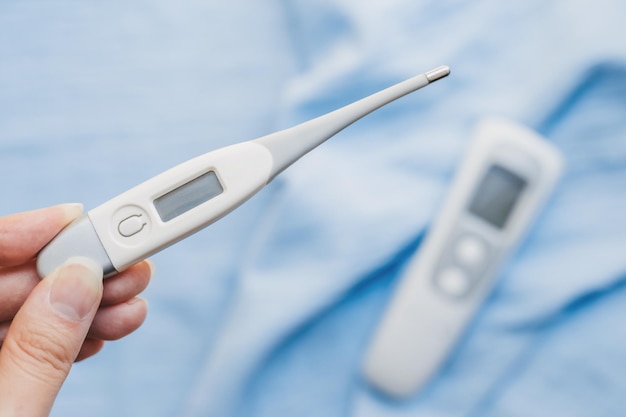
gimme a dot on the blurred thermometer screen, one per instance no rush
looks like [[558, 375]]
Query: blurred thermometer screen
[[496, 196]]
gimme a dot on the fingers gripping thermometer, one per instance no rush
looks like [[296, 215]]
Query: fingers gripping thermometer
[[172, 205]]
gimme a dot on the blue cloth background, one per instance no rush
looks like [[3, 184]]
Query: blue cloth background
[[268, 312]]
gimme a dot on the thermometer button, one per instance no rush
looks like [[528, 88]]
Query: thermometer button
[[470, 250], [453, 281], [130, 225]]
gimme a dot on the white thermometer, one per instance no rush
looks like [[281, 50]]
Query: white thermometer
[[503, 182], [196, 193]]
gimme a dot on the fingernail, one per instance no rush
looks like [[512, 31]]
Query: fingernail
[[72, 210], [135, 300], [76, 288], [151, 266]]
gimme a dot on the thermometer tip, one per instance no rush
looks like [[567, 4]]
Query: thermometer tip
[[437, 73]]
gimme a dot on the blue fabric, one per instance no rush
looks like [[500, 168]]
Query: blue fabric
[[268, 312]]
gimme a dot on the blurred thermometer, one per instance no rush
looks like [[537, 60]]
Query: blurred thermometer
[[503, 182], [194, 194]]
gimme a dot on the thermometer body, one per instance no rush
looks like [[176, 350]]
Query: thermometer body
[[178, 202], [501, 185]]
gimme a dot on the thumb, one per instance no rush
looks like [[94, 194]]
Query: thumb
[[46, 336]]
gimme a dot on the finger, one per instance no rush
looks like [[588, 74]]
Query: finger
[[46, 336], [15, 285], [90, 347], [126, 285], [110, 323], [4, 329], [18, 281], [115, 322], [23, 235]]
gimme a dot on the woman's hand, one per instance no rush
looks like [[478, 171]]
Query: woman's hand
[[46, 325]]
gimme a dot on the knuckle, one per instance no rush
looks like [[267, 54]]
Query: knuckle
[[38, 355]]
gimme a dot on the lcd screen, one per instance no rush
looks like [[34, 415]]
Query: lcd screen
[[187, 196], [496, 196]]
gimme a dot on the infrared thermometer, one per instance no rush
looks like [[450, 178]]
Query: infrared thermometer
[[502, 183], [196, 193]]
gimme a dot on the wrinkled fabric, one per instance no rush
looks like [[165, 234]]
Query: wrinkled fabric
[[268, 312]]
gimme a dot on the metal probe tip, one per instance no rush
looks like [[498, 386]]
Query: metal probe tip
[[437, 73]]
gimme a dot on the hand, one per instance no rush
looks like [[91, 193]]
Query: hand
[[46, 325]]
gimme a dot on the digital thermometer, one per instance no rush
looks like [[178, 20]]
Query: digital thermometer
[[196, 193], [502, 183]]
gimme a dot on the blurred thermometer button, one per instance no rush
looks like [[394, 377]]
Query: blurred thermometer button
[[470, 250], [453, 281]]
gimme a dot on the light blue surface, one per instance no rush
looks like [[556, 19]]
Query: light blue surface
[[268, 312]]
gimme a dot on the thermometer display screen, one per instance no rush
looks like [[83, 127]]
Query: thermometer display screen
[[496, 195], [187, 196]]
